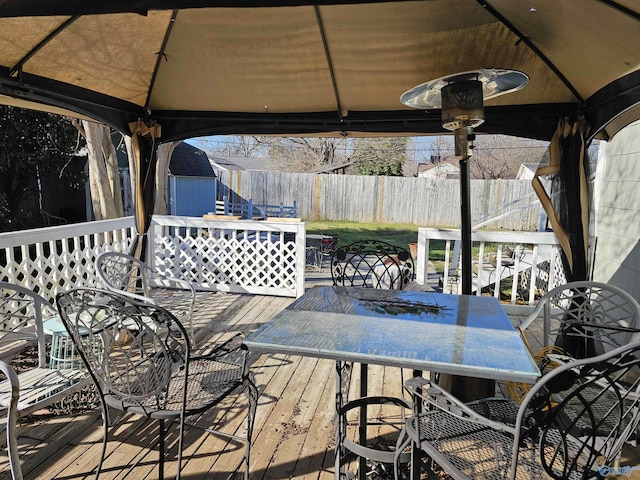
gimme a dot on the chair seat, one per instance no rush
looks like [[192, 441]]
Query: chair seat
[[209, 382], [179, 302], [40, 387], [466, 449]]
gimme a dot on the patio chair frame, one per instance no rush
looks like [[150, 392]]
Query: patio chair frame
[[592, 317], [22, 394], [578, 414], [128, 275], [153, 372]]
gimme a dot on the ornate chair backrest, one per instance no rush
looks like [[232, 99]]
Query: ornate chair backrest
[[587, 318], [581, 414], [120, 272], [372, 264], [129, 361], [22, 312]]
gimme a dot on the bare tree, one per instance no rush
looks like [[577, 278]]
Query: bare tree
[[304, 154], [495, 156], [429, 149], [163, 156], [104, 177], [440, 148], [234, 146], [500, 156]]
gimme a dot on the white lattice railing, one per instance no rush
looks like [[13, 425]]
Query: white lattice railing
[[534, 269], [238, 256], [245, 256], [53, 259]]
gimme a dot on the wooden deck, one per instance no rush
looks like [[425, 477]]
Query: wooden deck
[[293, 437]]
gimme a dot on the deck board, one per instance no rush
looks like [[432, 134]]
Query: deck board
[[294, 432]]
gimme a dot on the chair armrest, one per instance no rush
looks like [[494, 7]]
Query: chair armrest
[[159, 280], [436, 398], [12, 377]]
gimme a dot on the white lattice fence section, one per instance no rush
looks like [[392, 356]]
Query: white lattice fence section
[[236, 256], [49, 260], [261, 257]]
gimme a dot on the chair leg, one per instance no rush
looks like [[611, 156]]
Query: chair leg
[[105, 423], [403, 442], [12, 416], [252, 394], [161, 452], [12, 447], [180, 442]]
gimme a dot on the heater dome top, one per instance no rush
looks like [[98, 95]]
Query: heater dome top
[[495, 82]]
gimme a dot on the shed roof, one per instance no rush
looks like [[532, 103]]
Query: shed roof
[[189, 161]]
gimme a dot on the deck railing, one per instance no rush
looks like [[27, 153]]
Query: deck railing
[[235, 256], [242, 256], [250, 210], [516, 267]]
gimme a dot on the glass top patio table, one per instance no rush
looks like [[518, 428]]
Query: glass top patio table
[[456, 334]]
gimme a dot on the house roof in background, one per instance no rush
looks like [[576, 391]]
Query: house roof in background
[[246, 163], [335, 168], [189, 161], [448, 164]]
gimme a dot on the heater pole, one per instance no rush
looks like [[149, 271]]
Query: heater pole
[[465, 224], [464, 138]]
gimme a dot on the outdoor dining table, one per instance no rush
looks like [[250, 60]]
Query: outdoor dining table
[[425, 331]]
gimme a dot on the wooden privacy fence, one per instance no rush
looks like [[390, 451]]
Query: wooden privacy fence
[[364, 198]]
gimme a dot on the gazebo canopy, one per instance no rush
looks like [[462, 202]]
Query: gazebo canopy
[[331, 67]]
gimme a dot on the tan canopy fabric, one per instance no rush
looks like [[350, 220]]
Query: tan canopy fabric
[[336, 67]]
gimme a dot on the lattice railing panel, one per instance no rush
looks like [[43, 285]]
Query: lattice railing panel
[[244, 256], [50, 260]]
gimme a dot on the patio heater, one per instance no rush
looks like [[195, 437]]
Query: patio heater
[[461, 97]]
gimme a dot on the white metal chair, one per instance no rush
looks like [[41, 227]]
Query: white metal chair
[[21, 394], [155, 375], [573, 314], [572, 424], [125, 274], [22, 312]]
